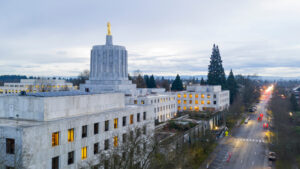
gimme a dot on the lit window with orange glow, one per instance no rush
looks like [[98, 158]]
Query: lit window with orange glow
[[196, 108], [83, 153], [184, 95], [208, 102], [135, 101], [115, 141], [179, 95], [196, 101], [55, 139], [191, 101], [142, 102], [191, 96], [179, 101], [184, 108], [131, 119], [208, 96], [116, 123], [184, 101], [202, 102], [71, 135], [196, 95], [191, 108], [179, 108]]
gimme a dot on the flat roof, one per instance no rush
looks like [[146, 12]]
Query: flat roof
[[63, 93]]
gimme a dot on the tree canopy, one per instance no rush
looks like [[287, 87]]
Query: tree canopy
[[216, 74], [177, 84], [232, 86]]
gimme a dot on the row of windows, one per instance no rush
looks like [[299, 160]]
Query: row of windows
[[196, 102], [166, 107], [161, 100], [196, 108], [96, 148], [55, 135], [196, 96]]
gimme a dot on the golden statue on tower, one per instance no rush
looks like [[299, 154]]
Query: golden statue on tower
[[108, 29]]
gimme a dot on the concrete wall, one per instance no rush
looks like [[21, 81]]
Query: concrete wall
[[48, 108]]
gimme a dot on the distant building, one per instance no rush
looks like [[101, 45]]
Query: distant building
[[201, 98], [163, 103], [36, 85], [296, 92]]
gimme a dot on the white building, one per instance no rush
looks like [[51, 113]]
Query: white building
[[199, 98], [35, 85], [164, 103], [61, 130], [65, 129]]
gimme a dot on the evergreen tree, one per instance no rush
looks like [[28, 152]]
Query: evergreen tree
[[177, 84], [129, 77], [202, 82], [216, 74], [146, 79], [294, 103], [232, 86], [140, 83], [152, 83]]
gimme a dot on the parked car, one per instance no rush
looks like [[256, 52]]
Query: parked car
[[272, 156]]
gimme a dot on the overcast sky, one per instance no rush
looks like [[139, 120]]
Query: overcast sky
[[163, 37]]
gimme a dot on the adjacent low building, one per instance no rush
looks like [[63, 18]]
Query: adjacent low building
[[201, 98], [164, 103], [36, 85]]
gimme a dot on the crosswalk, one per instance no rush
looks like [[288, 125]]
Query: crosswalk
[[250, 140]]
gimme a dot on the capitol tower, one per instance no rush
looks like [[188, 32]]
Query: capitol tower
[[109, 68]]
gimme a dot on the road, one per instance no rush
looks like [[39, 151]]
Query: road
[[247, 147]]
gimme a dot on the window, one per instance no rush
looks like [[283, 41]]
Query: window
[[124, 138], [196, 101], [178, 108], [215, 96], [96, 128], [83, 153], [191, 101], [96, 148], [8, 167], [208, 102], [55, 139], [196, 108], [124, 120], [71, 135], [191, 96], [196, 95], [84, 131], [184, 95], [71, 157], [115, 141], [135, 101], [215, 102], [145, 130], [202, 102], [116, 123], [191, 108], [106, 144], [184, 101], [144, 115], [138, 119], [184, 108], [179, 101], [106, 127], [131, 119], [10, 146], [142, 102], [179, 95], [202, 95], [55, 162], [208, 96]]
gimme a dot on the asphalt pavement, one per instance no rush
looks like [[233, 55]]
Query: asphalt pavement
[[246, 148]]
